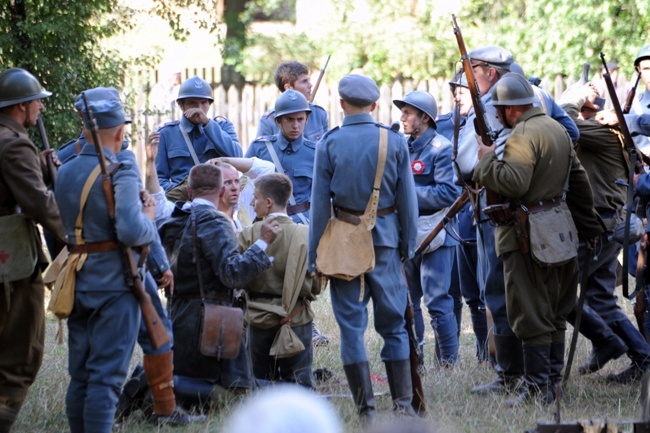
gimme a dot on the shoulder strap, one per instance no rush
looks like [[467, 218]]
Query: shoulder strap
[[79, 224], [371, 208], [280, 169], [189, 145]]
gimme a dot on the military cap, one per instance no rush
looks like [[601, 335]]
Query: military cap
[[611, 66], [358, 90], [644, 54], [106, 107], [493, 55]]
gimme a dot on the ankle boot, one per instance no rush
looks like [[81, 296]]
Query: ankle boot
[[606, 344], [401, 389], [509, 366], [639, 353], [8, 414], [446, 332], [358, 376], [557, 363], [132, 395], [537, 366], [479, 325]]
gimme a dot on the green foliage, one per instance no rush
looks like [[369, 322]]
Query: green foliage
[[57, 40], [558, 36]]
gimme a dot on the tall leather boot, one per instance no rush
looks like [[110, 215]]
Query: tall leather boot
[[358, 376], [8, 414], [537, 366], [639, 353], [557, 363], [509, 366], [479, 325], [445, 329], [606, 344], [399, 382], [159, 370]]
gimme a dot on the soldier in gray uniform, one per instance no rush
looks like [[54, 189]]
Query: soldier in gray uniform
[[345, 167], [295, 76], [489, 64]]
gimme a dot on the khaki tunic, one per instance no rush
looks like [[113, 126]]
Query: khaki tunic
[[289, 284], [537, 157], [22, 328]]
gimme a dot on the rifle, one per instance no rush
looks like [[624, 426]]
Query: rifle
[[418, 403], [631, 150], [480, 124], [630, 96], [456, 207], [640, 301], [51, 168], [320, 77], [157, 333]]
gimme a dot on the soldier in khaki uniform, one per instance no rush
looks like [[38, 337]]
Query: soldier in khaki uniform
[[22, 190], [537, 171]]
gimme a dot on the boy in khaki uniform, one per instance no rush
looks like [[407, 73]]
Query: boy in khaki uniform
[[279, 311]]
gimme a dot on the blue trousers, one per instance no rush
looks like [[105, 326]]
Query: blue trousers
[[493, 284], [386, 287], [102, 333]]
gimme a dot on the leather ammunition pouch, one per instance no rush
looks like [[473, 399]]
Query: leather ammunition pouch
[[500, 213]]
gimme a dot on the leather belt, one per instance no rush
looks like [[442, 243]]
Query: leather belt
[[258, 295], [94, 247], [544, 205], [380, 212], [214, 296], [298, 208], [9, 210]]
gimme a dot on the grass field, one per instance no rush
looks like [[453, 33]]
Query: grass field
[[451, 408]]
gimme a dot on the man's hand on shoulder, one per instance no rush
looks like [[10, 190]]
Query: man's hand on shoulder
[[269, 230]]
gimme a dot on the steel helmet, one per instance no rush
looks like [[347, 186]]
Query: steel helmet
[[460, 80], [289, 102], [195, 87], [643, 54], [17, 85], [513, 89], [421, 100]]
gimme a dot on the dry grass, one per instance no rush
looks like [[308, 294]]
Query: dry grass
[[451, 407]]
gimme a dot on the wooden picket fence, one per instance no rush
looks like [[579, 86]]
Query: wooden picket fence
[[245, 107]]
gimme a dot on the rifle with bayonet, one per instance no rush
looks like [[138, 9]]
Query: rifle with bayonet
[[157, 333], [632, 152], [320, 78], [51, 168]]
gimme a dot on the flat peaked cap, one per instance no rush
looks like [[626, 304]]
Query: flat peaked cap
[[358, 90], [105, 104], [493, 55]]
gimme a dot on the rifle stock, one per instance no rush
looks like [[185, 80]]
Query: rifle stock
[[51, 168], [320, 78], [481, 125], [456, 207], [418, 403], [157, 333]]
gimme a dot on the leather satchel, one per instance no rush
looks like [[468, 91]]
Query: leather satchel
[[222, 327], [345, 250], [221, 331]]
